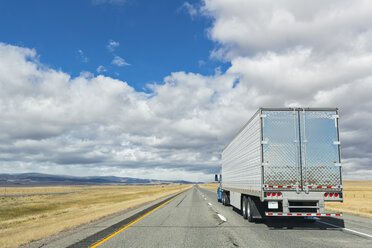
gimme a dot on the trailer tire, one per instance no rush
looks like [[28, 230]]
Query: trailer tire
[[244, 207], [249, 210], [224, 199]]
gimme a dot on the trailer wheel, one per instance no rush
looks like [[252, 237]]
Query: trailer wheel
[[244, 207], [249, 210], [224, 199]]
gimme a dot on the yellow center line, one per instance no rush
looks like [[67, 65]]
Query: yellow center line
[[128, 225]]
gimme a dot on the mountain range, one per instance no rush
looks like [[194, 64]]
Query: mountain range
[[38, 179]]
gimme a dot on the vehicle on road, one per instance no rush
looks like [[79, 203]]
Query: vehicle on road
[[283, 162]]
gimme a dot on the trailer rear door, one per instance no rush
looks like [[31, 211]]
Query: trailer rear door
[[320, 149], [300, 149], [280, 146]]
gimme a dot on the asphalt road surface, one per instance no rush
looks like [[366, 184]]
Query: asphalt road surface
[[196, 219]]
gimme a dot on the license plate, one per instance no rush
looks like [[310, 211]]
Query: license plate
[[273, 205]]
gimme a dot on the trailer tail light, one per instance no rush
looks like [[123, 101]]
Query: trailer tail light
[[333, 195], [273, 195]]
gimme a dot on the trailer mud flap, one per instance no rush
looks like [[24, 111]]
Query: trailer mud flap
[[258, 208]]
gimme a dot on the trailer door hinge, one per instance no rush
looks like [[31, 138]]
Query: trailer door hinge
[[263, 116], [335, 117], [264, 142], [265, 163], [337, 164], [336, 142]]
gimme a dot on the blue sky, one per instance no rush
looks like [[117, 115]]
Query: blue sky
[[155, 37]]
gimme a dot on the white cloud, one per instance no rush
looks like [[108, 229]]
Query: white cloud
[[91, 123], [101, 69], [302, 53], [118, 61], [191, 9], [82, 56], [201, 63], [246, 27], [112, 45], [113, 2]]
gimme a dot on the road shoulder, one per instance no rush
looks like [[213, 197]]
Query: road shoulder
[[73, 235]]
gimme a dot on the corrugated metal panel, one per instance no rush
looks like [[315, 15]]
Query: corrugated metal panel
[[241, 159], [235, 199]]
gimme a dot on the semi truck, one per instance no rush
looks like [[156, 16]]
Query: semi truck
[[283, 162]]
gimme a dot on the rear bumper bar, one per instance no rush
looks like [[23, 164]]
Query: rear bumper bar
[[303, 214]]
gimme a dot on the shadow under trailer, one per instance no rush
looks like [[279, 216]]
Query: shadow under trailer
[[283, 162]]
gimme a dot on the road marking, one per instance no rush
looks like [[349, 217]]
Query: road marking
[[222, 217], [210, 204], [346, 229], [125, 227]]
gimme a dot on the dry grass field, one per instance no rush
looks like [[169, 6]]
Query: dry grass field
[[33, 217], [212, 186], [357, 197]]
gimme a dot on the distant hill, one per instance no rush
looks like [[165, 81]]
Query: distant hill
[[38, 179]]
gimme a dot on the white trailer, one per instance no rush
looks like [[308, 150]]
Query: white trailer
[[283, 162]]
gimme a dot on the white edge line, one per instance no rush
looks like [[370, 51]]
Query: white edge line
[[346, 229], [222, 217]]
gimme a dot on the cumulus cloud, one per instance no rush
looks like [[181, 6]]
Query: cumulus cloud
[[247, 27], [118, 61], [303, 53], [98, 125], [101, 69], [92, 123], [191, 9], [112, 45]]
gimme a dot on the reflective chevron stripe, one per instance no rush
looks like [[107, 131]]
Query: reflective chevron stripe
[[301, 214]]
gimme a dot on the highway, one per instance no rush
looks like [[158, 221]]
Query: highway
[[195, 219]]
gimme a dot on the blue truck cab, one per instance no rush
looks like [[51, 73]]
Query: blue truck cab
[[219, 194]]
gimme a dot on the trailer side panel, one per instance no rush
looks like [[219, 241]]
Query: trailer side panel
[[241, 160]]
